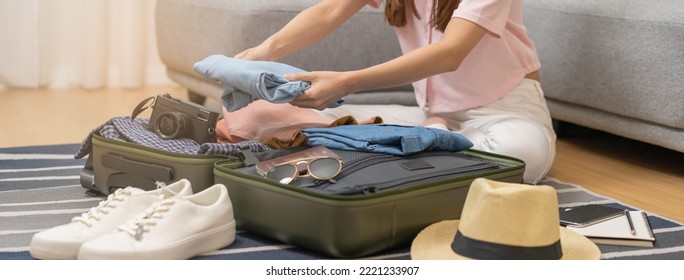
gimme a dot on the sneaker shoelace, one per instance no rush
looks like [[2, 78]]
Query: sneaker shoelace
[[141, 224], [96, 213]]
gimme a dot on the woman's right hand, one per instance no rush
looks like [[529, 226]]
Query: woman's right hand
[[260, 52]]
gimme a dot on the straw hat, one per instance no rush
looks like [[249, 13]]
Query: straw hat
[[504, 221]]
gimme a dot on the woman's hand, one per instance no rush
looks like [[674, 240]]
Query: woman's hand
[[326, 88], [260, 52]]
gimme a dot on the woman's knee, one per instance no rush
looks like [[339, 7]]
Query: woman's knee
[[523, 139]]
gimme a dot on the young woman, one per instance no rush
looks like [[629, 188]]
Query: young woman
[[472, 65]]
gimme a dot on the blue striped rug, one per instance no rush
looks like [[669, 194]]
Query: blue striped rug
[[39, 189]]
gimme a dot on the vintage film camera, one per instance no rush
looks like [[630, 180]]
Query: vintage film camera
[[172, 118]]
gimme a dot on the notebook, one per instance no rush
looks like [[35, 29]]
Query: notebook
[[617, 231]]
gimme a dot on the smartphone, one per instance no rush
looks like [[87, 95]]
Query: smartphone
[[585, 215]]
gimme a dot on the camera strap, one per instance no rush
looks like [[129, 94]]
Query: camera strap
[[142, 106]]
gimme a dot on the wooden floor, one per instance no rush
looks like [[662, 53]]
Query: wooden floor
[[638, 174]]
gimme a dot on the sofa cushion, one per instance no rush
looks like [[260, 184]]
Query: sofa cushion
[[625, 57]]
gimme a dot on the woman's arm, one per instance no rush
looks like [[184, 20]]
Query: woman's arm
[[308, 27], [460, 37]]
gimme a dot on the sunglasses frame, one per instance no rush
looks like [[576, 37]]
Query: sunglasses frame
[[300, 161]]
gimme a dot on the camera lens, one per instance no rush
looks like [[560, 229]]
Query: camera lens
[[170, 125]]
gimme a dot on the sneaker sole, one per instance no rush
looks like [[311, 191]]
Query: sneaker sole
[[199, 244], [54, 251]]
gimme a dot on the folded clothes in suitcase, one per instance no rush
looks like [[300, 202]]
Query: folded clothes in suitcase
[[376, 202]]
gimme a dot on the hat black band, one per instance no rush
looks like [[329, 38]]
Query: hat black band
[[482, 250]]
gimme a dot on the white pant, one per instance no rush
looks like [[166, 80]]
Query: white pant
[[517, 125]]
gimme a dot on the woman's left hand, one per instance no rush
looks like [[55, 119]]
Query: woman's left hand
[[326, 88]]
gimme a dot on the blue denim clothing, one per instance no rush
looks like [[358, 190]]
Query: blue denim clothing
[[245, 81], [387, 138]]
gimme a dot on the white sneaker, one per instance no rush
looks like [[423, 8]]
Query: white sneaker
[[174, 228], [63, 242]]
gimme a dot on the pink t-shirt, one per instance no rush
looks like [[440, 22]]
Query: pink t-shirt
[[492, 69]]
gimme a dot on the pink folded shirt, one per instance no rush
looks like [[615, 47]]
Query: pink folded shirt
[[262, 120], [497, 64], [265, 121]]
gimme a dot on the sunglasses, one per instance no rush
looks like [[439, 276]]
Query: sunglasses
[[321, 168]]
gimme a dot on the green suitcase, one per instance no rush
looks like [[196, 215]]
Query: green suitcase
[[116, 164], [362, 217]]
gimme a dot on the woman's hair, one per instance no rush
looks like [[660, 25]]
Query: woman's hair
[[397, 11]]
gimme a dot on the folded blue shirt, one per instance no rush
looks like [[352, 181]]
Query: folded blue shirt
[[245, 81], [387, 138]]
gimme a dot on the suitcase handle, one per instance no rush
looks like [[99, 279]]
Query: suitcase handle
[[140, 169]]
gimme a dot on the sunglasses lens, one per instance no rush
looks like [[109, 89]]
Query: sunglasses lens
[[324, 168], [282, 173]]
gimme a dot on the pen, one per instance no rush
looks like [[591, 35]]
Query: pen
[[631, 224]]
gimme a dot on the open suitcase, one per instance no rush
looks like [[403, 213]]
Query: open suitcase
[[116, 163], [377, 202]]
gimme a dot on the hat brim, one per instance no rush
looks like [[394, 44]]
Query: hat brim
[[434, 243]]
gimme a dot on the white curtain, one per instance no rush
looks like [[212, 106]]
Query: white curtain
[[79, 43]]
